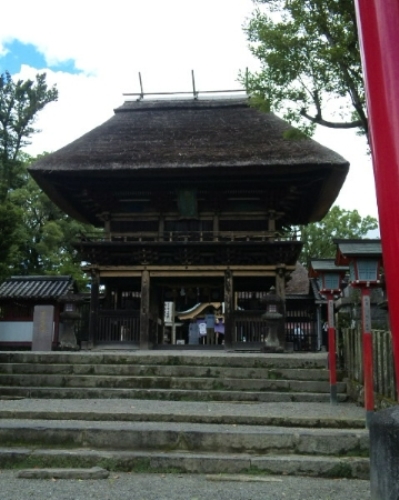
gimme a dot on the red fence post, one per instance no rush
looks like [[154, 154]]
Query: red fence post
[[378, 22], [332, 349], [367, 342]]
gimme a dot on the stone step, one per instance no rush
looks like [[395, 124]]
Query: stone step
[[316, 374], [207, 463], [173, 383], [179, 437], [165, 394], [297, 421], [228, 359], [316, 415]]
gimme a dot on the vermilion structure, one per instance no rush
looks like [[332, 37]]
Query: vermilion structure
[[378, 22]]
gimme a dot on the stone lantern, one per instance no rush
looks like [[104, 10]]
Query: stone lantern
[[365, 259], [274, 319], [330, 278], [69, 316]]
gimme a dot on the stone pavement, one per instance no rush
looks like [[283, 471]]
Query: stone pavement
[[125, 486]]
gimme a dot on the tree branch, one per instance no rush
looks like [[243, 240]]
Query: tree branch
[[320, 121]]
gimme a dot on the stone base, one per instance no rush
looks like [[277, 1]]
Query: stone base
[[384, 454], [277, 348]]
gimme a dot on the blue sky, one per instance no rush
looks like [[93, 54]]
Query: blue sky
[[93, 51], [17, 53]]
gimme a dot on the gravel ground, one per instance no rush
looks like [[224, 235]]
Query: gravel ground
[[181, 487]]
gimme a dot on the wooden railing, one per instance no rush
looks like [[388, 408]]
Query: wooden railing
[[192, 236], [383, 365], [118, 326], [251, 327]]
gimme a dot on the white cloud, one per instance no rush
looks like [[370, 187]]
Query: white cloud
[[358, 191], [111, 42]]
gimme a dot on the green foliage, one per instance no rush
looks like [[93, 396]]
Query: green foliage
[[294, 134], [10, 218], [35, 236], [318, 237], [44, 235], [310, 58], [20, 102]]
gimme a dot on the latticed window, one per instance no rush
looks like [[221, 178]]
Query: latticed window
[[367, 270], [17, 311]]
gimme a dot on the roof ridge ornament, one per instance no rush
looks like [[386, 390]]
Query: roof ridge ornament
[[194, 92]]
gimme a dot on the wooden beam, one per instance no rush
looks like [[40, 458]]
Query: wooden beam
[[145, 311], [121, 274], [248, 274], [180, 268], [228, 309], [94, 296]]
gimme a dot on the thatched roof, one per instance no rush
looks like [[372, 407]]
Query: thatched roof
[[172, 134], [212, 137], [299, 282]]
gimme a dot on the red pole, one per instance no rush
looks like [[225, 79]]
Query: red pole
[[367, 355], [378, 22], [332, 360]]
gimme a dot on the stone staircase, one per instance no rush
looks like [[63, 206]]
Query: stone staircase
[[188, 377], [185, 412]]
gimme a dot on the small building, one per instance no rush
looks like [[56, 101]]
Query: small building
[[196, 198], [18, 297]]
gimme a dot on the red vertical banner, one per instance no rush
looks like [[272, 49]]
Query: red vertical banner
[[378, 25]]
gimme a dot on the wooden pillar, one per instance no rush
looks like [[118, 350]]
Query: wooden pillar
[[216, 227], [161, 227], [94, 296], [272, 225], [57, 311], [145, 311], [107, 229], [229, 324], [154, 316], [280, 282], [280, 286]]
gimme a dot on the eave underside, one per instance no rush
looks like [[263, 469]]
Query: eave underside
[[302, 194]]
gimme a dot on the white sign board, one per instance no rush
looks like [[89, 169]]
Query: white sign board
[[169, 312]]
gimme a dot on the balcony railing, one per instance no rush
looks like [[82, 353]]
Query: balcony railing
[[192, 236]]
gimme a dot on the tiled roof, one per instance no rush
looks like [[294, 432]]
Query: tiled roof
[[35, 287], [323, 265], [359, 247]]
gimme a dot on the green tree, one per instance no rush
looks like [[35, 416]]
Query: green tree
[[318, 237], [44, 236], [310, 63], [10, 218], [20, 102]]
